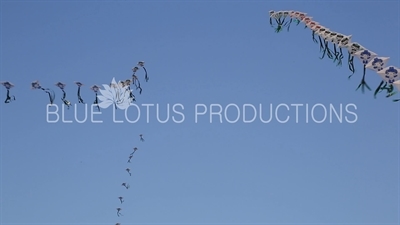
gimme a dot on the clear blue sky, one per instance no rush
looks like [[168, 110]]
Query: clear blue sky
[[196, 52]]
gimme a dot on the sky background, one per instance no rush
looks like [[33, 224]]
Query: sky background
[[196, 52]]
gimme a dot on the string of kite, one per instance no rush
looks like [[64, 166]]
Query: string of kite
[[35, 85], [332, 44]]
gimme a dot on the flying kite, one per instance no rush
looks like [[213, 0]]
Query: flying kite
[[130, 157], [134, 150], [8, 86], [118, 212], [135, 79], [80, 100], [128, 84], [36, 85], [370, 60], [129, 171], [96, 89], [141, 64], [62, 86], [121, 199], [365, 56], [141, 137], [127, 186]]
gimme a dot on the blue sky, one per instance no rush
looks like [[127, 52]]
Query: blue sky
[[196, 52]]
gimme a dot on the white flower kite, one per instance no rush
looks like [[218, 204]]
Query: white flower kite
[[117, 94]]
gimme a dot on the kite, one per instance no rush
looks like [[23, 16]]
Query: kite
[[127, 186], [377, 64], [8, 86], [96, 89], [62, 86], [365, 56], [127, 83], [135, 79], [141, 64], [118, 212], [370, 60], [130, 157], [141, 137], [134, 150], [129, 171], [36, 85], [121, 199], [80, 100], [390, 75]]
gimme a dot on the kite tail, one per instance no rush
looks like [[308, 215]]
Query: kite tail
[[51, 94], [351, 65], [326, 50], [79, 96], [390, 91], [145, 75], [64, 94], [96, 102], [131, 95], [290, 22], [329, 51], [313, 37], [321, 46], [137, 84], [363, 84], [336, 53], [9, 98], [66, 102], [377, 90], [340, 57]]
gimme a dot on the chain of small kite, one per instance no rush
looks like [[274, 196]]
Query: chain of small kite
[[36, 85], [353, 47], [126, 185]]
